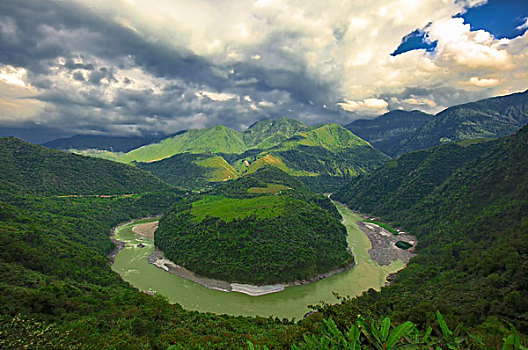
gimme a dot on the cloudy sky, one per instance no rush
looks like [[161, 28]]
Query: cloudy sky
[[137, 67]]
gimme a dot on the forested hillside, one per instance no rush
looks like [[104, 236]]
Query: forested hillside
[[324, 156], [398, 132], [27, 168], [191, 171], [409, 178], [264, 228], [387, 131], [468, 211], [58, 291]]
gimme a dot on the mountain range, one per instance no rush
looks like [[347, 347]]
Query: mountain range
[[323, 156], [399, 132]]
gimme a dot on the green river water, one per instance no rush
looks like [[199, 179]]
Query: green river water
[[131, 263]]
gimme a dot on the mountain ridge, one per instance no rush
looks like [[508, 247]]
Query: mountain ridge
[[488, 118], [328, 151]]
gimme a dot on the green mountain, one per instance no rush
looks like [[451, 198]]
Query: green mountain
[[217, 139], [39, 170], [323, 156], [467, 205], [409, 178], [268, 133], [387, 131], [263, 228], [326, 157], [399, 132], [489, 118], [57, 290], [193, 171]]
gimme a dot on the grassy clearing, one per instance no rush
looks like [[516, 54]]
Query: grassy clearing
[[234, 208], [270, 189], [384, 225]]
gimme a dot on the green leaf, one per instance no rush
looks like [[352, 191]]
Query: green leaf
[[385, 326], [353, 338], [427, 334], [366, 330], [443, 325], [397, 334], [476, 339], [377, 335]]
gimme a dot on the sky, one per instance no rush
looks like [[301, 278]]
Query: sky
[[145, 67]]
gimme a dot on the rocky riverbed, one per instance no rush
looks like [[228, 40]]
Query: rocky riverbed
[[384, 250]]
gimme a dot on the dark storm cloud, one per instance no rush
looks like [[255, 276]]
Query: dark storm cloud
[[105, 69], [47, 31]]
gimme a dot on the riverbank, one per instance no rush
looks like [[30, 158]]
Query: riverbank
[[158, 259], [384, 250], [118, 245], [146, 230]]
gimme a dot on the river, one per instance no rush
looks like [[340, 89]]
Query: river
[[131, 263]]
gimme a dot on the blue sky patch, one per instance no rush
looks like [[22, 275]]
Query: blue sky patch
[[501, 18], [414, 41]]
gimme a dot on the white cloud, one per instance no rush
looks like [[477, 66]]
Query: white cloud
[[13, 76], [266, 104], [524, 25], [283, 53], [369, 106], [346, 45], [461, 47], [483, 82], [224, 96], [17, 97]]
